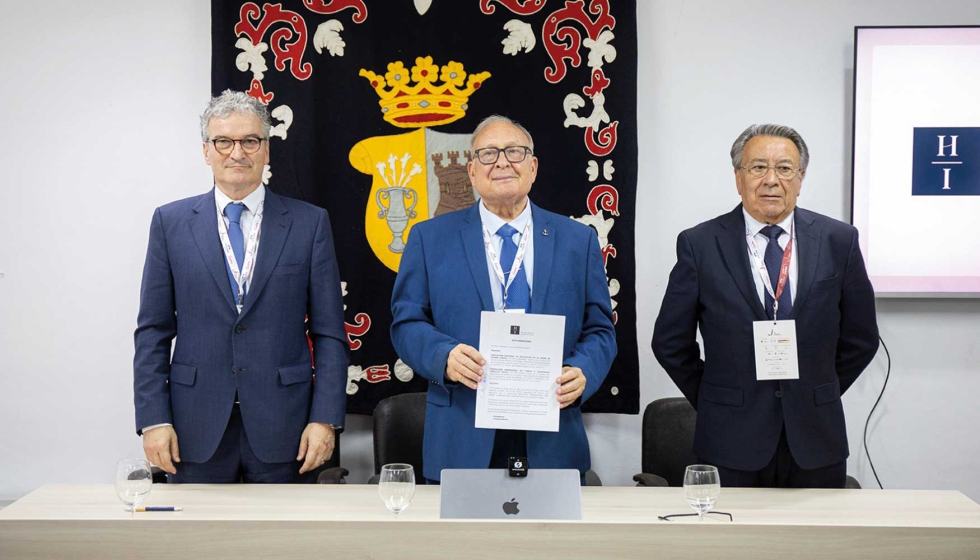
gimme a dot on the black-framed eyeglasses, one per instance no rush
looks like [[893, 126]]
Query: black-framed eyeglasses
[[224, 146], [784, 172], [513, 154], [668, 517]]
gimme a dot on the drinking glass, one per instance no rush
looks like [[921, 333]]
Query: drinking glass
[[702, 488], [397, 486], [133, 482]]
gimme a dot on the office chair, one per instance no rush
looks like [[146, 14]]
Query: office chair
[[668, 443], [399, 425]]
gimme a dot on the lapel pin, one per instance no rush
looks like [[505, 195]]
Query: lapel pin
[[544, 232]]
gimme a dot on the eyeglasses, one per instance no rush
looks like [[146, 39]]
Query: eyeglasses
[[224, 146], [784, 172], [667, 517], [513, 154]]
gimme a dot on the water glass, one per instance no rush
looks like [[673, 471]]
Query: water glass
[[702, 488], [133, 482], [397, 486]]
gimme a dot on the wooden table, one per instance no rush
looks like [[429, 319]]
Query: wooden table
[[349, 521]]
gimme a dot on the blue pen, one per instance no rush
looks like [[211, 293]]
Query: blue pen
[[159, 508]]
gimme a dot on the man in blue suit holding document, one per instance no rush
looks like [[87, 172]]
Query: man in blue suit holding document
[[232, 275], [503, 252]]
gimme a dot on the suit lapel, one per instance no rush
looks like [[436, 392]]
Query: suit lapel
[[204, 226], [272, 238], [808, 237], [735, 254], [544, 253], [476, 256]]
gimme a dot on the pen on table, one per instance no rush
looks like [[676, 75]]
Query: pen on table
[[158, 508]]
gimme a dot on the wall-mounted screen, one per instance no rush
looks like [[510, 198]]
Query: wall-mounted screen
[[916, 161]]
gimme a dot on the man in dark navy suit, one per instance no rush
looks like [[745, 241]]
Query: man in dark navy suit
[[768, 260], [233, 274]]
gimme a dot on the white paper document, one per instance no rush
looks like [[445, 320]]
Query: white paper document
[[523, 354], [775, 350]]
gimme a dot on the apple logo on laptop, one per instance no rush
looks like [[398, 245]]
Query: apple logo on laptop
[[510, 508]]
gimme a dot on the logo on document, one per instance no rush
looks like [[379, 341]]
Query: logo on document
[[510, 508], [515, 329], [946, 161]]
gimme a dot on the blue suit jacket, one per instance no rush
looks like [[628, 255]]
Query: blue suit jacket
[[443, 286], [262, 353], [711, 286]]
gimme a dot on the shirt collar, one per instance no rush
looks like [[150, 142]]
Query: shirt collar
[[251, 201], [754, 226], [493, 222]]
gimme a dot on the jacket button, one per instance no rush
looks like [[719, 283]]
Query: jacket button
[[779, 394], [239, 329]]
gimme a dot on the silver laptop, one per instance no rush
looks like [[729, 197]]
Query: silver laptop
[[494, 494]]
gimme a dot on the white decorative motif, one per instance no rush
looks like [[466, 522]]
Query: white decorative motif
[[284, 114], [266, 174], [354, 373], [343, 289], [574, 101], [600, 49], [592, 170], [521, 37], [328, 35], [251, 57], [613, 290], [394, 179], [422, 6], [602, 226], [403, 372], [608, 170]]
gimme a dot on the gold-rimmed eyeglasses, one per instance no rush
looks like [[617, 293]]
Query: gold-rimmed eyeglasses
[[224, 146], [513, 154], [783, 171]]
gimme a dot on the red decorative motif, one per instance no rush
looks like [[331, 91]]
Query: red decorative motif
[[563, 41], [599, 83], [615, 317], [334, 6], [525, 8], [604, 143], [607, 251], [605, 195], [377, 374], [257, 92], [285, 51], [363, 324]]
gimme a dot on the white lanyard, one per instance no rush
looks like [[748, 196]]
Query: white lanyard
[[518, 258], [243, 277], [783, 268]]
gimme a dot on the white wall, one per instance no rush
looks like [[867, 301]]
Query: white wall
[[100, 128]]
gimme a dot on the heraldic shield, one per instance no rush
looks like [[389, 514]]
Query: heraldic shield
[[420, 174]]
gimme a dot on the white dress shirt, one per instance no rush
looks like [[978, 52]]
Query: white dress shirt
[[493, 222], [754, 226]]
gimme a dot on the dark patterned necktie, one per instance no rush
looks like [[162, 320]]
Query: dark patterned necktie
[[519, 293], [774, 261], [237, 240]]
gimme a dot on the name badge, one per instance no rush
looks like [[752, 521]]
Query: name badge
[[512, 310], [775, 350]]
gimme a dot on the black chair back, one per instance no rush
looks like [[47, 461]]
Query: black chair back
[[399, 424], [668, 439]]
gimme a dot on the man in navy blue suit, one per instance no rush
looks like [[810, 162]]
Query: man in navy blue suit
[[533, 260], [238, 275], [764, 261]]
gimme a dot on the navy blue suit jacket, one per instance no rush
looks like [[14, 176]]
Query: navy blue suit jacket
[[711, 286], [262, 353], [442, 287]]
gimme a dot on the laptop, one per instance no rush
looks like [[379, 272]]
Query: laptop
[[553, 494]]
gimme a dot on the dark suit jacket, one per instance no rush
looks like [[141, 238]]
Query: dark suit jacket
[[262, 353], [711, 287], [443, 286]]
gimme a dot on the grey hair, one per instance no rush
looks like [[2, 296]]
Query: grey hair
[[234, 102], [500, 118], [777, 130]]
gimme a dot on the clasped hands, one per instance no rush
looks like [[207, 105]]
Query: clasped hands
[[465, 365]]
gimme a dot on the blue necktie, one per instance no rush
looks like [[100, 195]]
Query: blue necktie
[[519, 293], [774, 260], [237, 239]]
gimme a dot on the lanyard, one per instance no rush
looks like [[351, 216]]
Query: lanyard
[[783, 267], [518, 258], [244, 277]]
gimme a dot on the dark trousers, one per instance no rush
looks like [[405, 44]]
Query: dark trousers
[[234, 461], [783, 472]]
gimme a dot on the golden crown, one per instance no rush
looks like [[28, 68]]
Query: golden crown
[[436, 97]]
